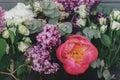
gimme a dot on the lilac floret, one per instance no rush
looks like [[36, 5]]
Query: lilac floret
[[2, 20]]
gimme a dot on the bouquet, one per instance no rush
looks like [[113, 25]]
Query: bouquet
[[49, 37]]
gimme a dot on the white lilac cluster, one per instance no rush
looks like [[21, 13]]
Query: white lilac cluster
[[20, 13]]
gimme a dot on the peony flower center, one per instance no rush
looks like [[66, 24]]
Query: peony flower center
[[78, 52]]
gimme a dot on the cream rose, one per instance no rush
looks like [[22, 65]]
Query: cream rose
[[23, 30], [115, 25]]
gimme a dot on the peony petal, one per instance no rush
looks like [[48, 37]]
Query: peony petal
[[59, 52], [74, 68]]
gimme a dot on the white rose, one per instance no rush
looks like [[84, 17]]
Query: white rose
[[115, 25], [81, 22], [102, 21], [82, 10], [5, 34], [114, 14], [23, 30], [22, 46], [103, 28]]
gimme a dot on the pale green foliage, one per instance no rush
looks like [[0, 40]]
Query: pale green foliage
[[91, 33], [50, 11], [35, 25], [65, 28]]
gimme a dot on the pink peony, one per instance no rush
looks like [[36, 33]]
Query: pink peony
[[76, 54]]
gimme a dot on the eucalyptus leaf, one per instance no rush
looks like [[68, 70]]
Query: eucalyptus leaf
[[65, 28], [107, 75], [51, 5], [99, 72], [44, 4], [90, 33], [55, 14], [94, 64], [53, 20], [3, 45], [35, 25], [102, 63], [48, 12]]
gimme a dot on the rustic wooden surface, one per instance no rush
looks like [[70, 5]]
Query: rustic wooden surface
[[7, 4]]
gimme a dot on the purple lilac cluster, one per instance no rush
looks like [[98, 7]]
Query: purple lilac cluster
[[73, 4], [49, 37], [2, 20], [40, 54]]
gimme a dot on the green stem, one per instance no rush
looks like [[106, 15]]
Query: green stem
[[89, 22], [73, 17], [13, 48]]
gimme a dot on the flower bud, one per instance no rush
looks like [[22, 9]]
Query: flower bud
[[81, 22], [23, 30], [5, 34], [22, 46], [102, 21], [7, 49], [27, 40], [93, 26], [115, 25], [103, 28], [82, 10]]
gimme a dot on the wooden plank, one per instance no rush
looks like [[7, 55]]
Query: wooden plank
[[7, 1], [110, 5], [110, 1], [7, 6]]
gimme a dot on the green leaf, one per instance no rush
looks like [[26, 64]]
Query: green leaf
[[118, 33], [65, 28], [48, 12], [94, 65], [106, 40], [102, 63], [51, 5], [99, 73], [21, 71], [53, 20], [12, 37], [107, 75], [3, 45], [44, 5], [55, 14], [90, 33]]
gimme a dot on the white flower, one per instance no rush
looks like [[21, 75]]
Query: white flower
[[27, 40], [115, 25], [102, 21], [19, 14], [81, 22], [5, 34], [82, 10], [22, 46], [103, 28], [114, 15], [23, 30]]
